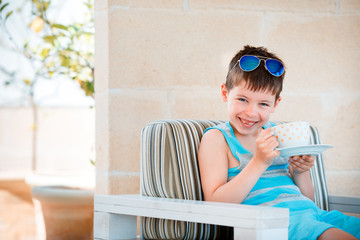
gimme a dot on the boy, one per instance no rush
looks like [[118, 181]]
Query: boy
[[238, 161]]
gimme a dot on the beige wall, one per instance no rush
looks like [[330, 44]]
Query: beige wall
[[167, 59], [65, 141]]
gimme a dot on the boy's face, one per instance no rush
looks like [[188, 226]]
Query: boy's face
[[248, 111]]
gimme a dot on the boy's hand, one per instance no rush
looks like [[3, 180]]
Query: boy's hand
[[300, 164], [265, 147]]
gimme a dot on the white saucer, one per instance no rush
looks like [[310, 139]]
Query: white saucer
[[303, 150]]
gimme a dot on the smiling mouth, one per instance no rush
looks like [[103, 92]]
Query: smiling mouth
[[247, 123]]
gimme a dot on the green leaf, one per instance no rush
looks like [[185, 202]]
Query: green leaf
[[4, 6], [89, 88], [65, 62], [88, 5], [8, 15], [45, 52], [50, 39], [45, 6], [87, 33], [60, 26], [38, 6], [72, 29], [26, 43]]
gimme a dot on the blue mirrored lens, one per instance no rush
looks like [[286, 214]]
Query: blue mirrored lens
[[249, 63], [275, 67]]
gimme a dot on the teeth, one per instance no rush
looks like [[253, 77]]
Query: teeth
[[247, 123]]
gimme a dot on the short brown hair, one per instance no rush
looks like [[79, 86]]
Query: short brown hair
[[257, 80]]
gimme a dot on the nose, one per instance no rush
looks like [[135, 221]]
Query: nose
[[250, 110]]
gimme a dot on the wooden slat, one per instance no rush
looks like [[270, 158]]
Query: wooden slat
[[225, 214]]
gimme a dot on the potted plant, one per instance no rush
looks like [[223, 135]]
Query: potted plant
[[53, 50]]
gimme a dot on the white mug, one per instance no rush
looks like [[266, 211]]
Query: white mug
[[293, 134]]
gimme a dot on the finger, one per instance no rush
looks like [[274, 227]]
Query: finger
[[299, 163], [261, 138], [295, 163], [275, 153], [266, 141], [301, 166], [305, 159], [272, 143], [265, 134], [293, 158], [298, 168], [270, 148], [308, 157], [308, 160]]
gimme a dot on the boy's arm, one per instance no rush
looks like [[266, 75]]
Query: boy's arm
[[214, 163], [299, 167]]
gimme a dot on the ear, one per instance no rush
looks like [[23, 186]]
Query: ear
[[224, 92], [276, 104]]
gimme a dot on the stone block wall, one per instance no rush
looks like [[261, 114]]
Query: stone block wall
[[167, 59]]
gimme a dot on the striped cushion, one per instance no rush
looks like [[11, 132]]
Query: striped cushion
[[169, 169]]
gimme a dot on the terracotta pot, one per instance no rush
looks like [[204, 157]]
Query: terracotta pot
[[67, 212]]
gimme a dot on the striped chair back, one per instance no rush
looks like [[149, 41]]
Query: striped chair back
[[169, 169]]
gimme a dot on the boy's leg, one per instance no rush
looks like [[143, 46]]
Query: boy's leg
[[336, 234]]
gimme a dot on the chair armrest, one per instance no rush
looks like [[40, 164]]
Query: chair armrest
[[344, 204], [250, 222]]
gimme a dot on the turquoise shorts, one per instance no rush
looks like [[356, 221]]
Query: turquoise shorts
[[311, 223]]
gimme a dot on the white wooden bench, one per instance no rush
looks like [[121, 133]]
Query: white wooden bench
[[169, 155], [115, 216]]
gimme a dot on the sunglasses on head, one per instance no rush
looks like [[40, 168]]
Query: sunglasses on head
[[250, 62]]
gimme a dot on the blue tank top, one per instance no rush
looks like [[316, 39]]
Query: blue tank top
[[275, 187]]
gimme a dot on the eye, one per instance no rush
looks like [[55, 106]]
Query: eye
[[242, 99], [265, 104]]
